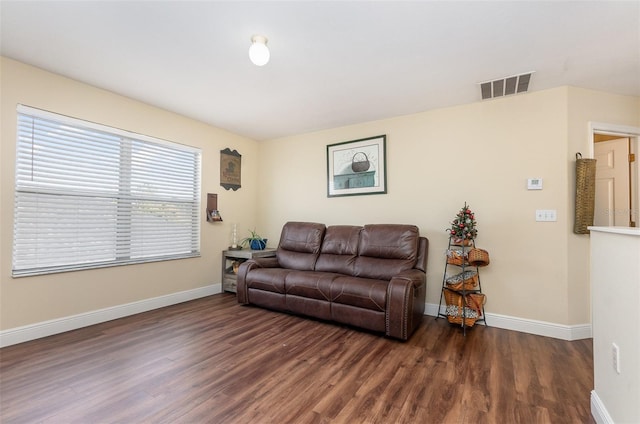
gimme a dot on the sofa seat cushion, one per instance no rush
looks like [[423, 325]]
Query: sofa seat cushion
[[267, 279], [310, 284], [363, 318], [360, 292]]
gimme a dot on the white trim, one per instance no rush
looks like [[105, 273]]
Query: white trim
[[626, 231], [598, 410], [530, 326], [613, 129], [60, 325], [609, 129]]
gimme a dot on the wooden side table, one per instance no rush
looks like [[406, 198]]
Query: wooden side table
[[229, 257]]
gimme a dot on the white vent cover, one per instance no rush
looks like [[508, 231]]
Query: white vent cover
[[505, 86]]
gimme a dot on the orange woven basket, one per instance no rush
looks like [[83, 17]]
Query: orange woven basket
[[467, 280], [456, 307], [478, 257], [476, 302], [455, 256]]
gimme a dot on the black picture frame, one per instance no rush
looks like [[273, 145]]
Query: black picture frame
[[357, 167]]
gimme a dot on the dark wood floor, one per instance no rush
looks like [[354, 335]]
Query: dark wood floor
[[213, 361]]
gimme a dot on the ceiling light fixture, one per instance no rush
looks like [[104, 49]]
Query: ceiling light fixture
[[259, 52]]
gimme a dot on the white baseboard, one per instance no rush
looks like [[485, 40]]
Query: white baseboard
[[540, 328], [47, 328], [598, 410]]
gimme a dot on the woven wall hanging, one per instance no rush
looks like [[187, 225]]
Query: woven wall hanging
[[585, 193]]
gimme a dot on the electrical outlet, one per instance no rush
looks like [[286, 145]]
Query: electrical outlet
[[615, 352]]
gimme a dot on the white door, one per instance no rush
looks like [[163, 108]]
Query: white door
[[612, 183]]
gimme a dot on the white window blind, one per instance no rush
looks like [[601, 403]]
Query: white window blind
[[90, 196]]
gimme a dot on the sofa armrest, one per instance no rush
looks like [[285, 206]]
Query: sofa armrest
[[406, 295], [270, 262], [246, 266]]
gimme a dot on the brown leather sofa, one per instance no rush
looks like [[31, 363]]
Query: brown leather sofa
[[373, 277]]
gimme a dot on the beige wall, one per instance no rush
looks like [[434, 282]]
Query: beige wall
[[586, 106], [481, 153], [30, 300]]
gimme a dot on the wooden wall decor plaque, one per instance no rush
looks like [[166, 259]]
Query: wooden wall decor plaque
[[230, 169]]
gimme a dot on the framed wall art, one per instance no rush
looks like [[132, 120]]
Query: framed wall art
[[357, 167], [230, 169]]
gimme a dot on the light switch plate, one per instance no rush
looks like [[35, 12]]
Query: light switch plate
[[546, 215]]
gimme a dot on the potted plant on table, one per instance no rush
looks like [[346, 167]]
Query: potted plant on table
[[255, 241]]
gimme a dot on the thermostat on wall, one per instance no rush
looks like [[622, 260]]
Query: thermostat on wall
[[534, 184]]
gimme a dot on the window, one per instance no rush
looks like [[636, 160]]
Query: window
[[90, 196]]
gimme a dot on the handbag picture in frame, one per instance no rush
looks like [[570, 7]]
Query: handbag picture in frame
[[357, 167]]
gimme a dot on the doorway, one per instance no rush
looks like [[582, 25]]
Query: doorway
[[613, 204], [617, 185]]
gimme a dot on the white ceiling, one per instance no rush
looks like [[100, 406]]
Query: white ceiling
[[332, 63]]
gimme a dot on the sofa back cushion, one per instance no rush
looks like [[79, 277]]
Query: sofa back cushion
[[386, 250], [339, 249], [299, 245]]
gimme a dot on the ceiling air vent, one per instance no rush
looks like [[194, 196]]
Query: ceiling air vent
[[505, 86]]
